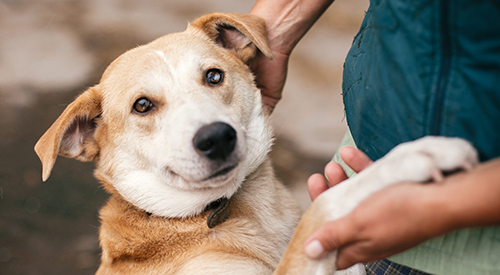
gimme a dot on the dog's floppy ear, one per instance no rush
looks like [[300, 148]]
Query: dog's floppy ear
[[72, 134], [242, 33]]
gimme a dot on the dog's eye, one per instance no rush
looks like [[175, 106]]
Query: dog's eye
[[214, 76], [143, 105]]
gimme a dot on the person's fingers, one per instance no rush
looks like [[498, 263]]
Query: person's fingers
[[335, 174], [355, 158], [349, 256], [269, 103], [327, 238], [270, 77], [316, 184]]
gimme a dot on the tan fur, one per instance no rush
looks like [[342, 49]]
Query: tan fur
[[294, 260], [246, 24], [133, 241], [101, 126], [86, 107]]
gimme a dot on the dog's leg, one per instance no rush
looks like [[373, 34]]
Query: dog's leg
[[417, 161]]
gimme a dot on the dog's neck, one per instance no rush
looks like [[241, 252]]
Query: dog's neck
[[120, 220], [219, 212]]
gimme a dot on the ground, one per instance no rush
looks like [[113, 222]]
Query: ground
[[52, 50]]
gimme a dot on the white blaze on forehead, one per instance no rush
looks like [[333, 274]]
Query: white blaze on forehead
[[165, 63], [161, 54], [196, 59]]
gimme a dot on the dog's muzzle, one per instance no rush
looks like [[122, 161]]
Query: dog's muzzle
[[216, 141]]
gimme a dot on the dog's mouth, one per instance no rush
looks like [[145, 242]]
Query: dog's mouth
[[221, 172], [217, 177]]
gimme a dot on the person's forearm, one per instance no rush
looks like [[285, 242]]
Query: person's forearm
[[477, 196], [287, 21], [471, 199]]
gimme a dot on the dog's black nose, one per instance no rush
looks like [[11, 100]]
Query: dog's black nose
[[216, 140]]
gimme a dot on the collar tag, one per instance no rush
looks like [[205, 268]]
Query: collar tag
[[219, 213]]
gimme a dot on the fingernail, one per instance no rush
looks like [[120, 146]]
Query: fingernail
[[314, 249]]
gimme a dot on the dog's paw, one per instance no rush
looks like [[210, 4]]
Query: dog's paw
[[357, 269], [426, 158]]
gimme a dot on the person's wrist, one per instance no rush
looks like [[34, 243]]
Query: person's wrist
[[282, 34], [440, 209]]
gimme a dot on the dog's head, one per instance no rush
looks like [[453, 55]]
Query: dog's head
[[174, 124]]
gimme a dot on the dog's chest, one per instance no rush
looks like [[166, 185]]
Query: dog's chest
[[133, 240]]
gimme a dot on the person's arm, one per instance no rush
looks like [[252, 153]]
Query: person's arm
[[287, 21], [405, 215]]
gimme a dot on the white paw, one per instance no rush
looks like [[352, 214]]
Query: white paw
[[425, 159], [357, 269]]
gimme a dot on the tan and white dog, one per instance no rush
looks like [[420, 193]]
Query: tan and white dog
[[180, 140]]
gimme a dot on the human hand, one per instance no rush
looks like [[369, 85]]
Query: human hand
[[286, 23], [270, 76], [353, 157], [388, 222]]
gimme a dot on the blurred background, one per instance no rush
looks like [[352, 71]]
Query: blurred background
[[52, 50]]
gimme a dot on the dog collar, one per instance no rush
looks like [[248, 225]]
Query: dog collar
[[219, 212]]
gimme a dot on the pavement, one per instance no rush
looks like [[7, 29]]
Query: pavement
[[52, 50]]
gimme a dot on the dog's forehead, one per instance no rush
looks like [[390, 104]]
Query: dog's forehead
[[168, 69], [187, 42], [171, 58]]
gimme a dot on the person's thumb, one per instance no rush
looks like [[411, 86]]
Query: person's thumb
[[327, 238]]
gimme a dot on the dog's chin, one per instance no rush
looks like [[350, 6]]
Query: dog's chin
[[226, 175], [221, 174], [172, 196]]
